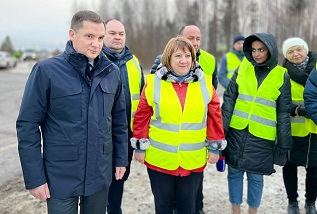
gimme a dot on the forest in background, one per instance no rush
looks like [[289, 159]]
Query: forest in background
[[150, 24]]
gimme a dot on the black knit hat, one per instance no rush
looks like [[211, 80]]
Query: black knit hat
[[238, 37]]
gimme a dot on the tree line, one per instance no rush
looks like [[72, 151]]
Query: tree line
[[150, 23]]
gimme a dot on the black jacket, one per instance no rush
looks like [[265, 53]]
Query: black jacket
[[304, 151], [245, 151]]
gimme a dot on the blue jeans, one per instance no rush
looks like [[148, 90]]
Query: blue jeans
[[94, 204], [235, 185]]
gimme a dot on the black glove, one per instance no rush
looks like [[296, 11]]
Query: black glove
[[280, 158], [301, 111]]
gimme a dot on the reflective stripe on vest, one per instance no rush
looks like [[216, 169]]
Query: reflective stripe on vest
[[175, 149], [177, 135], [207, 62], [233, 63], [134, 76], [256, 107]]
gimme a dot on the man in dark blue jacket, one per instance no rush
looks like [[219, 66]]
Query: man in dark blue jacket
[[72, 125], [133, 81]]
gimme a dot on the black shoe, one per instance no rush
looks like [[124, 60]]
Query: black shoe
[[293, 208], [310, 207], [200, 212]]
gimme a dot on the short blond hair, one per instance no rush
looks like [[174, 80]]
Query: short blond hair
[[172, 46]]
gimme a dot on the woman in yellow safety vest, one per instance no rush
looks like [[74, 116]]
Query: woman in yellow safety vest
[[256, 118], [177, 128], [300, 62]]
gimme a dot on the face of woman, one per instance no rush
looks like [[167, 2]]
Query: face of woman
[[296, 54], [260, 53], [181, 61]]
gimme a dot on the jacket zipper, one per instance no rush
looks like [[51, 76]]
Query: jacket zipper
[[309, 144]]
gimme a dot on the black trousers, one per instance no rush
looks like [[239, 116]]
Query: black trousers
[[291, 182], [167, 189], [116, 189], [200, 196], [93, 204]]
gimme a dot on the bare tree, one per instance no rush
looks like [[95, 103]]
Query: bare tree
[[213, 28], [150, 23]]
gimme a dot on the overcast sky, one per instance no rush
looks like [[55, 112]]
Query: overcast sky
[[41, 24]]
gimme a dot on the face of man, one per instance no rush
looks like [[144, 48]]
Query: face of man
[[115, 36], [192, 33], [88, 40], [238, 46]]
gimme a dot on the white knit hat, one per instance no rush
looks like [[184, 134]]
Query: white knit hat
[[288, 43]]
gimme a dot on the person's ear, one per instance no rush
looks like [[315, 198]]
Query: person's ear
[[71, 34]]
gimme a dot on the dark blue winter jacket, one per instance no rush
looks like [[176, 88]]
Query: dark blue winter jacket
[[82, 124]]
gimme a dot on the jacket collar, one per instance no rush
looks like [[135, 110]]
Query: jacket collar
[[193, 75], [80, 61], [125, 55]]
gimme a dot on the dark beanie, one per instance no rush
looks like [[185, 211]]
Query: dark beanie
[[238, 37]]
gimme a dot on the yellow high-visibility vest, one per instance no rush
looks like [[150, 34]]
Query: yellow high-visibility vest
[[233, 63], [298, 123], [256, 107], [177, 137], [134, 76], [207, 62]]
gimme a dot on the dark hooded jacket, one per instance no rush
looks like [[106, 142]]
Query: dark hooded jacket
[[245, 151], [304, 151]]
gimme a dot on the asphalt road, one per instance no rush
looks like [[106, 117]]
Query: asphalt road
[[12, 82]]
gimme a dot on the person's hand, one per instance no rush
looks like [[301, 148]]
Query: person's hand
[[41, 192], [139, 156], [212, 158], [301, 111], [119, 172]]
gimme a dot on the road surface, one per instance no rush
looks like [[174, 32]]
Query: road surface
[[12, 82]]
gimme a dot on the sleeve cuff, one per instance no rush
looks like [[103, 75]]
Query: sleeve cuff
[[216, 152], [216, 144], [141, 144]]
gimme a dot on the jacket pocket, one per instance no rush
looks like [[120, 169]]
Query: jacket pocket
[[66, 102], [108, 93]]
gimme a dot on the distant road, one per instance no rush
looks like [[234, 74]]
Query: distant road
[[12, 82]]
